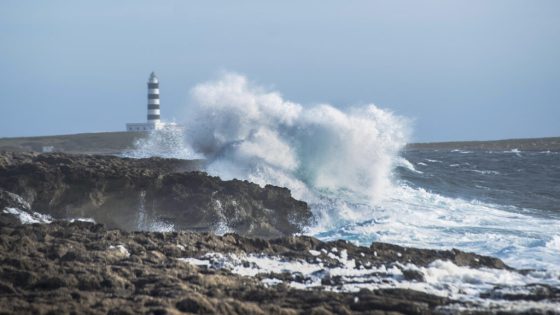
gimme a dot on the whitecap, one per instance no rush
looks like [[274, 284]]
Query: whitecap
[[486, 172]]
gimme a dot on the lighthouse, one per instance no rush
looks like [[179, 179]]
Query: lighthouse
[[153, 121], [153, 100]]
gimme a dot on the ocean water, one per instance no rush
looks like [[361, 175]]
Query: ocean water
[[350, 165], [502, 204]]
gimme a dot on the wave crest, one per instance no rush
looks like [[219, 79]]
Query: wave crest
[[251, 133]]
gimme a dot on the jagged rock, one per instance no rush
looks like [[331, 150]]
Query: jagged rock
[[142, 277], [82, 267], [147, 194], [8, 202], [196, 304], [11, 200], [425, 256]]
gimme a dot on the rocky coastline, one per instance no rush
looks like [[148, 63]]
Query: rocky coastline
[[52, 261], [149, 194]]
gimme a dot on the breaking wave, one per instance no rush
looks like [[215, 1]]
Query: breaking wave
[[320, 152], [324, 155], [343, 163]]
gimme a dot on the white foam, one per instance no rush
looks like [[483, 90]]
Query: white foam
[[402, 162], [222, 228], [120, 250], [486, 172], [514, 151], [196, 262], [90, 220], [433, 161], [145, 222], [166, 143], [554, 243], [441, 278], [314, 252], [160, 226], [419, 218], [271, 282], [461, 151], [28, 217]]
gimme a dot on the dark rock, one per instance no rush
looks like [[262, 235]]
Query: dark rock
[[141, 194], [80, 278], [423, 257], [534, 292], [8, 219], [413, 275], [11, 200], [50, 283], [6, 288], [195, 304]]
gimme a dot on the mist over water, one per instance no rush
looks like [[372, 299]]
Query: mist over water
[[348, 165]]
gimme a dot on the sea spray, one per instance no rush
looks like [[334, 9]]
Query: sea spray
[[319, 151], [341, 162], [334, 159], [146, 222], [167, 143]]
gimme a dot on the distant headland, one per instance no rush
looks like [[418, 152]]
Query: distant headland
[[118, 142], [527, 144]]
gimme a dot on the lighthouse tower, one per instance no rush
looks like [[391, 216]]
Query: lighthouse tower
[[153, 100], [154, 117]]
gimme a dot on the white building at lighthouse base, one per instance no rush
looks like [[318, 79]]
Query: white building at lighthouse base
[[138, 127], [145, 126], [154, 126]]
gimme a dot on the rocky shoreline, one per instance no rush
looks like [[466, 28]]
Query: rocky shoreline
[[64, 265], [82, 267], [149, 194]]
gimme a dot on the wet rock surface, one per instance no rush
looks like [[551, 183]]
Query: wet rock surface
[[83, 267], [148, 194]]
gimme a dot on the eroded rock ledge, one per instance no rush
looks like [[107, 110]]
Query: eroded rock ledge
[[84, 268], [148, 194]]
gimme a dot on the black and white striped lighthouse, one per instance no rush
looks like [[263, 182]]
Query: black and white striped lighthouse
[[153, 100], [154, 117]]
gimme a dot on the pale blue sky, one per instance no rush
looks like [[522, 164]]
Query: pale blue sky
[[461, 69]]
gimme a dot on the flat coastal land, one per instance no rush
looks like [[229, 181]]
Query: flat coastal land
[[118, 142], [82, 143]]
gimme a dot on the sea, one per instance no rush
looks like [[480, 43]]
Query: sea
[[363, 184], [504, 204]]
